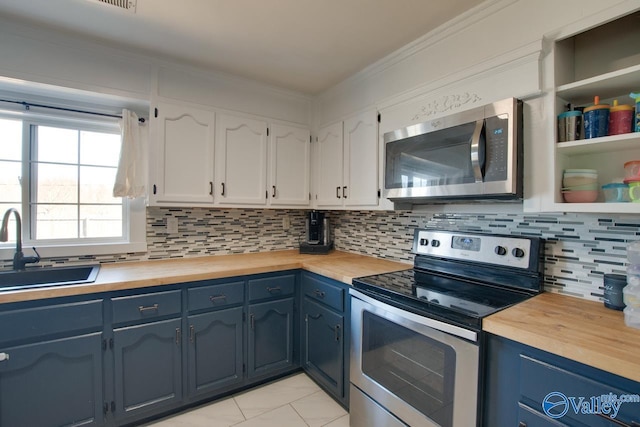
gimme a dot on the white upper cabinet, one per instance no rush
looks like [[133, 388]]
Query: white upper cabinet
[[586, 64], [182, 156], [241, 161], [361, 160], [289, 154], [347, 166], [329, 161]]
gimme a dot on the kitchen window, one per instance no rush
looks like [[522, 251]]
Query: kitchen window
[[58, 172]]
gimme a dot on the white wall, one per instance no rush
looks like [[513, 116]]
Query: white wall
[[52, 58], [468, 44]]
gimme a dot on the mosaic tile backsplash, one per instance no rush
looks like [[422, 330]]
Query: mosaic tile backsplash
[[579, 250]]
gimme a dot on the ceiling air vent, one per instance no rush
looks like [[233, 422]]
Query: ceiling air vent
[[129, 5]]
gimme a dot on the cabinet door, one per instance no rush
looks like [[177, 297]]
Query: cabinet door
[[53, 383], [241, 161], [270, 336], [183, 146], [148, 367], [329, 167], [289, 165], [215, 350], [323, 346], [361, 160]]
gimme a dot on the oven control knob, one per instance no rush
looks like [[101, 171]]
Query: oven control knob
[[517, 252], [424, 242], [500, 250], [435, 243]]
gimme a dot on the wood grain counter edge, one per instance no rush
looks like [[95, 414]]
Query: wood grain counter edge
[[574, 328], [341, 266]]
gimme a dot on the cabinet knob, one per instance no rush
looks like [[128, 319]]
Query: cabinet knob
[[522, 424], [4, 356]]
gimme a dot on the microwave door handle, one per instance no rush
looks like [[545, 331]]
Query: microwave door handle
[[477, 151]]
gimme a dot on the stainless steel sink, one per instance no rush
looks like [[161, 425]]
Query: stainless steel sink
[[51, 276]]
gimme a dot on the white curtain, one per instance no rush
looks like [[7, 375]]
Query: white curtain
[[131, 178]]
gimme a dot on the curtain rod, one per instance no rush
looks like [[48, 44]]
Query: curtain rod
[[28, 105]]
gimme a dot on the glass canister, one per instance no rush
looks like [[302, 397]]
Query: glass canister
[[596, 119], [620, 118]]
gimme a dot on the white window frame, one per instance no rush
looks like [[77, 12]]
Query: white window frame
[[134, 210]]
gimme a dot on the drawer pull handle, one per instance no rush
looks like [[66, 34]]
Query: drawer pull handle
[[337, 329], [522, 424], [338, 192], [178, 336], [192, 333], [213, 299], [252, 321], [276, 289], [144, 309], [319, 293], [4, 356], [344, 192]]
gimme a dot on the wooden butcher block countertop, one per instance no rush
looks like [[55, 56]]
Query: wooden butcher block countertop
[[341, 266], [580, 330]]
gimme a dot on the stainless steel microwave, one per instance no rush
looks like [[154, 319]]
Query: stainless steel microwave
[[471, 155]]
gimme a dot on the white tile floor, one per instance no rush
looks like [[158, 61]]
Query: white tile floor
[[294, 401]]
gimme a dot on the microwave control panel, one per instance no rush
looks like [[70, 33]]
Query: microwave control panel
[[497, 148]]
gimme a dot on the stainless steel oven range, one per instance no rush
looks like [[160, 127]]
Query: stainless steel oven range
[[416, 335]]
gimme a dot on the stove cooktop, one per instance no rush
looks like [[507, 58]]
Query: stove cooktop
[[452, 299]]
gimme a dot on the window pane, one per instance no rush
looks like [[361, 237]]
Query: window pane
[[57, 184], [56, 222], [57, 145], [96, 185], [10, 189], [12, 221], [11, 141], [100, 221], [99, 148]]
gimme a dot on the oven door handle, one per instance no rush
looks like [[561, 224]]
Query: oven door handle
[[421, 320]]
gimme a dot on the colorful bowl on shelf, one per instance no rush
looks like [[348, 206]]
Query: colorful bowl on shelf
[[580, 196], [579, 177], [632, 170], [634, 189]]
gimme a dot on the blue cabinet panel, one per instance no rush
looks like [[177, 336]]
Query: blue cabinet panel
[[146, 307], [279, 286], [322, 291], [528, 387], [46, 320], [148, 367], [215, 350], [323, 346], [215, 296], [53, 383], [270, 336]]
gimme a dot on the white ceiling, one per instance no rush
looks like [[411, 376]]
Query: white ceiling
[[303, 45]]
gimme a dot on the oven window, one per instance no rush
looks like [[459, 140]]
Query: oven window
[[433, 159], [417, 369]]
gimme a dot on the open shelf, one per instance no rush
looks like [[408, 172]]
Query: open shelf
[[606, 144], [608, 85], [621, 208]]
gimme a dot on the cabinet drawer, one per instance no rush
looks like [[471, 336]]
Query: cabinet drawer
[[272, 287], [573, 391], [44, 321], [215, 296], [146, 306], [326, 293], [528, 417]]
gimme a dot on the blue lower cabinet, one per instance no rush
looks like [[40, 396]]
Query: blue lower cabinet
[[53, 383], [527, 387], [270, 337], [147, 368], [323, 346], [215, 351]]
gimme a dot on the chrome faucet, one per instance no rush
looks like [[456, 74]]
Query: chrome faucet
[[19, 260]]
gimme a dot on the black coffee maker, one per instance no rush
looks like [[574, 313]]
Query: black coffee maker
[[318, 235]]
